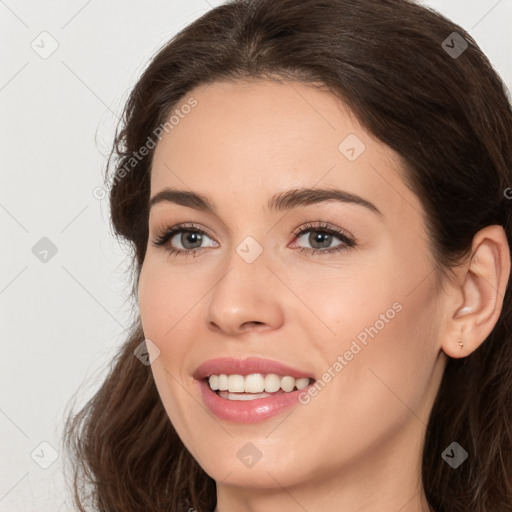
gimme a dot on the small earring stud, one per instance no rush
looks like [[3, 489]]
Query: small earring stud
[[461, 344]]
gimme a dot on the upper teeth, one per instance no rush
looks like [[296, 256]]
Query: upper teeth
[[255, 383]]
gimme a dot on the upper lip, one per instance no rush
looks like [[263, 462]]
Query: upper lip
[[232, 366]]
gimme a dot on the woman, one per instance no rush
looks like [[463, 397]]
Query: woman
[[317, 198]]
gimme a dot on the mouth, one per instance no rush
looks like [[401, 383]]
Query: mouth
[[250, 390]]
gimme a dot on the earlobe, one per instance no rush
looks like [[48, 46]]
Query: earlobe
[[483, 282]]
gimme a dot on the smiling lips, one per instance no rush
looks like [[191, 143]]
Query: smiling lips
[[249, 390]]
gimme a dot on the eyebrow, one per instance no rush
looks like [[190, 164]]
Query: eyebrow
[[279, 202]]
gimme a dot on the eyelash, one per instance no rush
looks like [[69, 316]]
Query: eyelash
[[347, 241]]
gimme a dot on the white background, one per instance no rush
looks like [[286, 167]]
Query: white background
[[63, 320]]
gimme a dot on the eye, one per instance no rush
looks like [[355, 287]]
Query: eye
[[188, 239], [321, 236], [183, 239]]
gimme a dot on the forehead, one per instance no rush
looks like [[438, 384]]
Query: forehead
[[260, 137]]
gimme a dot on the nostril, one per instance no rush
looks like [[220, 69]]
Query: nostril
[[253, 323]]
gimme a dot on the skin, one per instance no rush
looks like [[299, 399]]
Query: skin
[[356, 446]]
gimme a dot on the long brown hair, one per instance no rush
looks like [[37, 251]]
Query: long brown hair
[[450, 120]]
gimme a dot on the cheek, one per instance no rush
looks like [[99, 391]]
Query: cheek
[[352, 305], [395, 365], [386, 338], [168, 318], [164, 299], [164, 321]]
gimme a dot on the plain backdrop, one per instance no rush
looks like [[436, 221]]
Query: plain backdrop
[[67, 68]]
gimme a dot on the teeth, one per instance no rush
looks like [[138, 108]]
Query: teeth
[[236, 384], [223, 382], [272, 383], [287, 383], [302, 383], [238, 396], [214, 382], [255, 383]]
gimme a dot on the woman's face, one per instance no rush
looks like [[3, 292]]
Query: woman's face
[[341, 291]]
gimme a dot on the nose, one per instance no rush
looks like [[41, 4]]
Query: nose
[[245, 298]]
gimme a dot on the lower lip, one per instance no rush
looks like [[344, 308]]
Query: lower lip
[[248, 411]]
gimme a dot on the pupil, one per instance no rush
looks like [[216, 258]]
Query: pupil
[[319, 237], [192, 238]]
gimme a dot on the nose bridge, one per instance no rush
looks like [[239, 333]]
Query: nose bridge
[[241, 295]]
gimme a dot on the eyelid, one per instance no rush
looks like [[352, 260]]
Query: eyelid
[[321, 225], [180, 226]]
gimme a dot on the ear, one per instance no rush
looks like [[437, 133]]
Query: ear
[[476, 299]]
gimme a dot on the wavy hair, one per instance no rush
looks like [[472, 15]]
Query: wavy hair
[[448, 117]]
